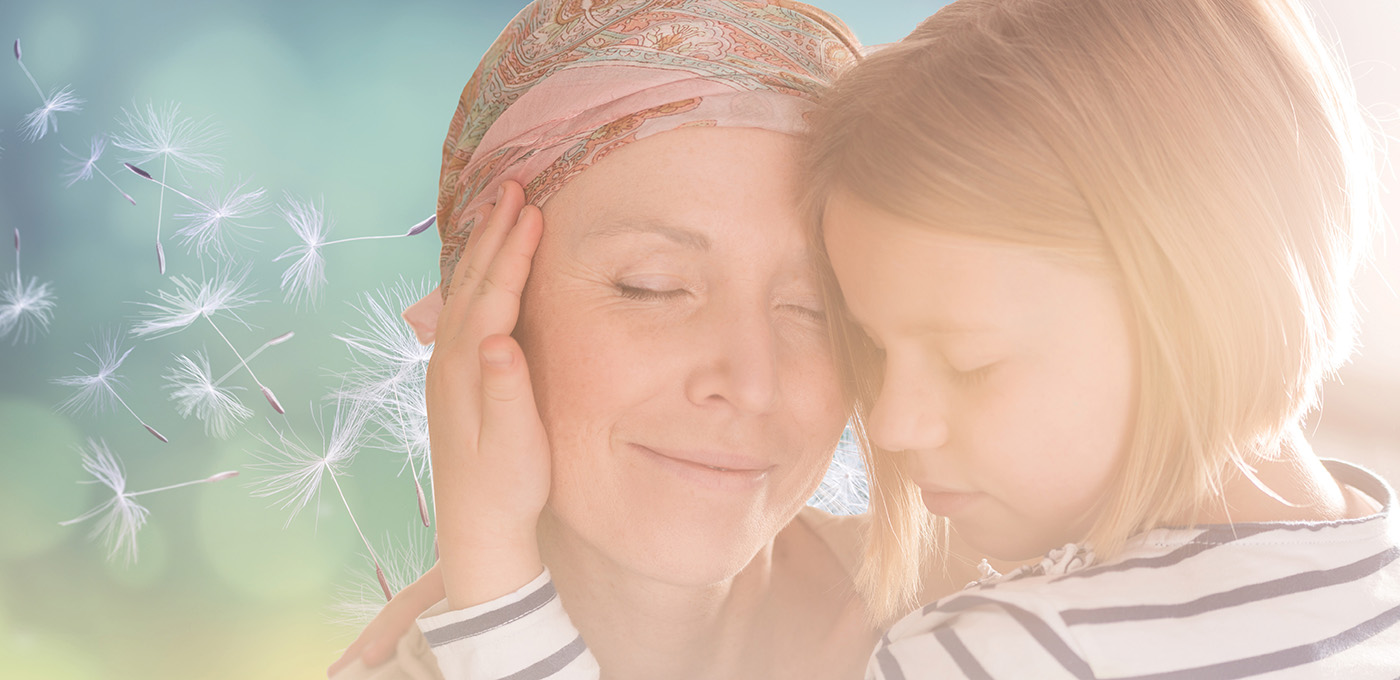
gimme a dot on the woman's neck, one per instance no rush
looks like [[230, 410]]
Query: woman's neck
[[641, 627]]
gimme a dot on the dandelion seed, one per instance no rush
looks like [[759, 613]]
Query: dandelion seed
[[98, 390], [193, 389], [120, 517], [25, 308], [82, 169], [164, 134], [152, 133], [404, 562], [422, 226], [210, 226], [220, 296], [205, 227], [383, 347], [390, 376], [303, 279], [44, 119], [845, 489], [297, 471], [306, 275]]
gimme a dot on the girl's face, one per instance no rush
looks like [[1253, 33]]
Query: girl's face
[[680, 356], [1009, 378]]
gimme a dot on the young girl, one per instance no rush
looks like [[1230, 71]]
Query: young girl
[[1103, 252], [1098, 256]]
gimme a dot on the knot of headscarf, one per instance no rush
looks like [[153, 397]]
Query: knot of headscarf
[[569, 81]]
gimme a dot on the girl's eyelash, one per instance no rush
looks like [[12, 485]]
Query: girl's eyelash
[[975, 376]]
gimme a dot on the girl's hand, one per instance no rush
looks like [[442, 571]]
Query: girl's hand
[[377, 642], [490, 454]]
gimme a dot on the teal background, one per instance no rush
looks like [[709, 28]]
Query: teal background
[[344, 101]]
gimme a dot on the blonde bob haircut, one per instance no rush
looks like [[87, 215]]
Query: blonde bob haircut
[[1207, 155]]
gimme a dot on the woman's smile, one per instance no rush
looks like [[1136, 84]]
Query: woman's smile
[[719, 470]]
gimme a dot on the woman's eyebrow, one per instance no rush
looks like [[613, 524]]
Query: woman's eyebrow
[[682, 236]]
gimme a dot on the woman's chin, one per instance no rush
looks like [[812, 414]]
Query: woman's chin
[[689, 546]]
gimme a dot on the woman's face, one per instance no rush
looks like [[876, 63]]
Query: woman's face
[[1009, 379], [678, 347]]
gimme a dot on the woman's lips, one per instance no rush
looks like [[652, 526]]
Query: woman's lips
[[710, 468]]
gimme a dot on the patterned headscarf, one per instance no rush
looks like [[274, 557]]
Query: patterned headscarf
[[570, 81]]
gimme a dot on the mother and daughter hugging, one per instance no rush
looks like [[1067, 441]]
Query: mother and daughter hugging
[[1072, 272]]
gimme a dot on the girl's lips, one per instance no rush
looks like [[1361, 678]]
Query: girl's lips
[[946, 503]]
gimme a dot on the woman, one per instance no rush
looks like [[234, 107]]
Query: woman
[[674, 330]]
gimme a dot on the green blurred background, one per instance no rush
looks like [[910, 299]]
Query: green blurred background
[[341, 101]]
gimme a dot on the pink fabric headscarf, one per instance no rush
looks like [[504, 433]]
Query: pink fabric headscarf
[[569, 81]]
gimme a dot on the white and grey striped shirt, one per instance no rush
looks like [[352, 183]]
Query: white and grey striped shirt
[[1261, 600]]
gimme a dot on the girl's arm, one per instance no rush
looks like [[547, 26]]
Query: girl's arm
[[490, 480]]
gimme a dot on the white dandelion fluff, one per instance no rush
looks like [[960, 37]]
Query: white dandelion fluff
[[163, 133], [296, 471], [385, 351], [390, 376], [121, 517], [152, 133], [213, 223], [306, 275], [82, 167], [404, 562], [844, 490], [221, 295], [194, 391], [97, 389], [44, 119], [25, 308]]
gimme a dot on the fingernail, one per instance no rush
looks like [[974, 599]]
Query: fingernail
[[500, 192], [496, 358]]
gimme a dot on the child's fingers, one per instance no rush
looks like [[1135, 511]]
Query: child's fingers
[[487, 238], [496, 306], [512, 443], [379, 640]]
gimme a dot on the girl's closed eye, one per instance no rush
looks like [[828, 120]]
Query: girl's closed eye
[[973, 376]]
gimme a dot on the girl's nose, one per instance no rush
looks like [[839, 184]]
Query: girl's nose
[[910, 412]]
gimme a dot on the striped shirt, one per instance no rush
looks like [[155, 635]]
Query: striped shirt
[[1257, 600], [1260, 600]]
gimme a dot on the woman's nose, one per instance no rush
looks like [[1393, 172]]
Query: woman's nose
[[739, 362], [910, 413]]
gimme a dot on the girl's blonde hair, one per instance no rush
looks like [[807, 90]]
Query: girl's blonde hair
[[1208, 155]]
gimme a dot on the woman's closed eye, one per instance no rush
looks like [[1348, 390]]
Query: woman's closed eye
[[652, 289], [815, 313]]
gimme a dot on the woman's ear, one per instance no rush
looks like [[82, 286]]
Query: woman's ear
[[423, 315]]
